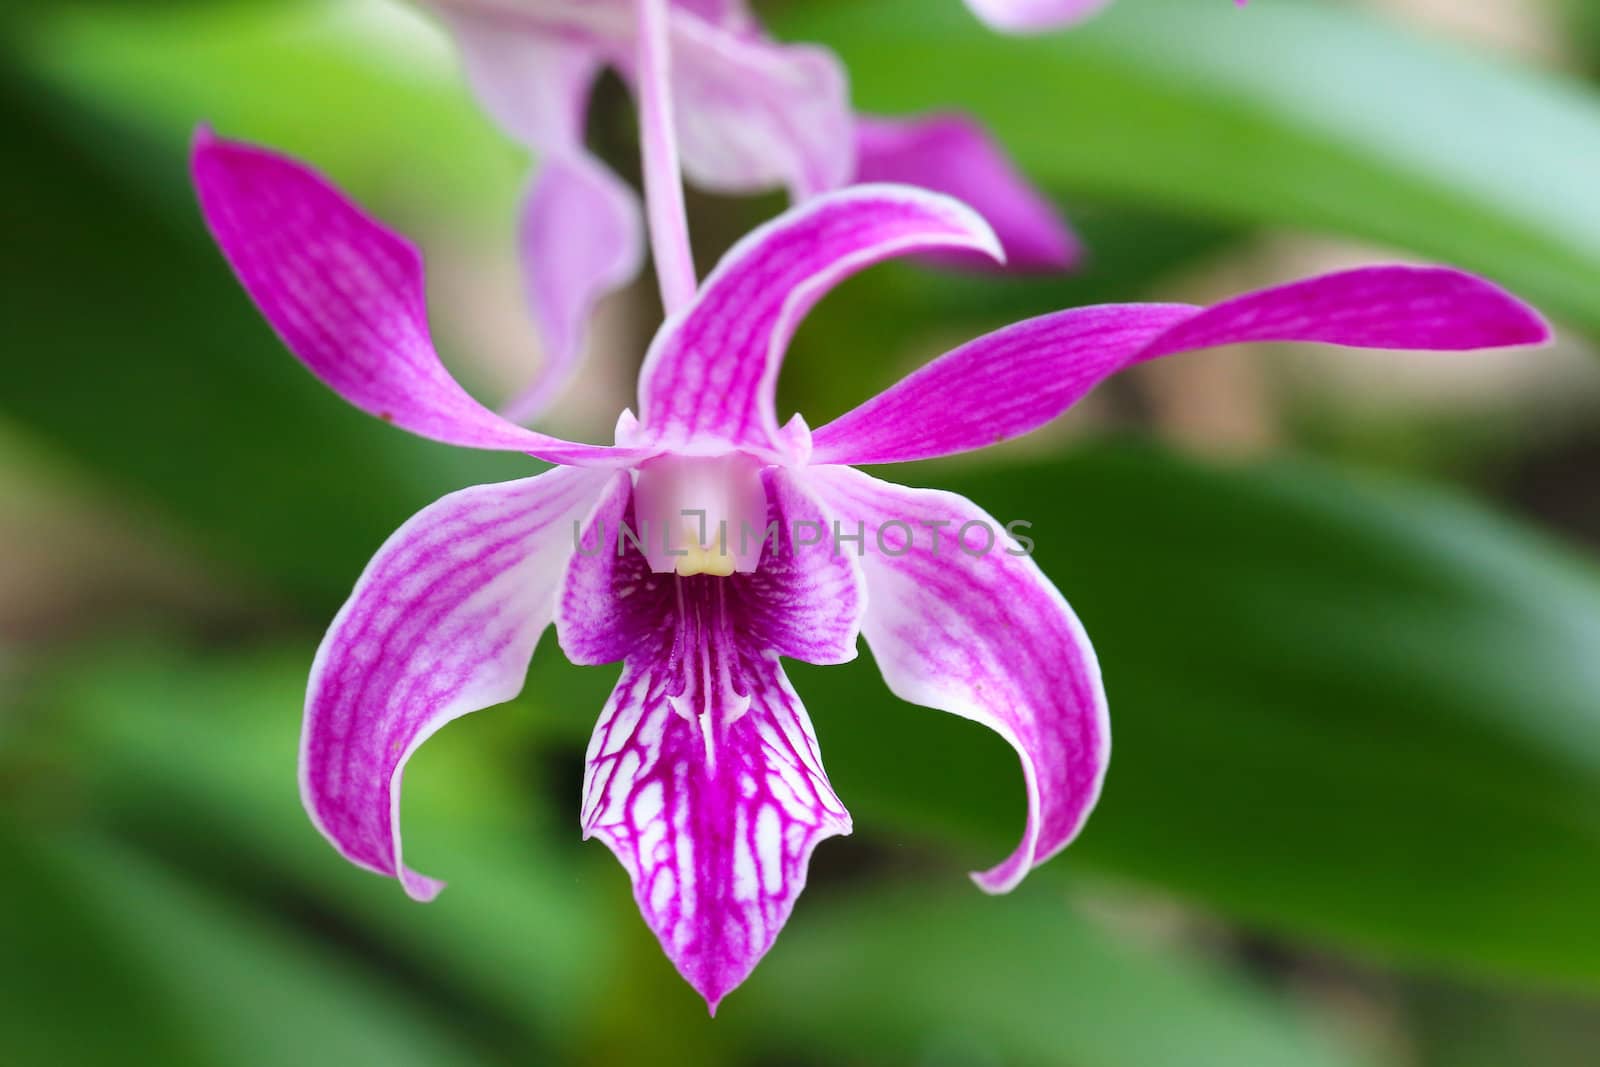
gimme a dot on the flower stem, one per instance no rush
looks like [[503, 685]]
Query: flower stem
[[663, 182]]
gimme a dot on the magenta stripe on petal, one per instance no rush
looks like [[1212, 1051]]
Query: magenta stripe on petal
[[442, 623], [958, 623], [346, 296], [710, 379], [1015, 380]]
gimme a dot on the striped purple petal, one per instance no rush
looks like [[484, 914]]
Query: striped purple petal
[[703, 773], [710, 379], [958, 622], [714, 819], [442, 623], [1017, 379], [346, 296]]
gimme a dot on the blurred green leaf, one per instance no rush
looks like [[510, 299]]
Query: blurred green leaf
[[1582, 25], [137, 354], [237, 989], [1456, 1027], [957, 978], [194, 759], [68, 994], [190, 759], [1360, 712], [367, 91], [1288, 114]]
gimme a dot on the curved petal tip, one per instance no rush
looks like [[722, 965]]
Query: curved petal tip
[[1507, 319], [420, 887]]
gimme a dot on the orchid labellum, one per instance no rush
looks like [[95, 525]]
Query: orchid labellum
[[704, 776]]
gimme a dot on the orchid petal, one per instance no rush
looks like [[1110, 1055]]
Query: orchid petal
[[954, 155], [346, 296], [533, 79], [1000, 386], [717, 848], [581, 239], [442, 623], [1034, 16], [710, 379], [1422, 308], [1015, 380], [580, 235], [984, 636], [752, 114], [703, 774]]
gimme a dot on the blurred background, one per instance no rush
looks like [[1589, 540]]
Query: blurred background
[[1346, 603]]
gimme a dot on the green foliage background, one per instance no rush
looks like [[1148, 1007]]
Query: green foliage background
[[1354, 815]]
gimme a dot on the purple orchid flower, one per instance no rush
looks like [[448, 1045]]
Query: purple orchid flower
[[704, 775], [751, 115]]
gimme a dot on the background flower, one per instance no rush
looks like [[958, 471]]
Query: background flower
[[752, 115]]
